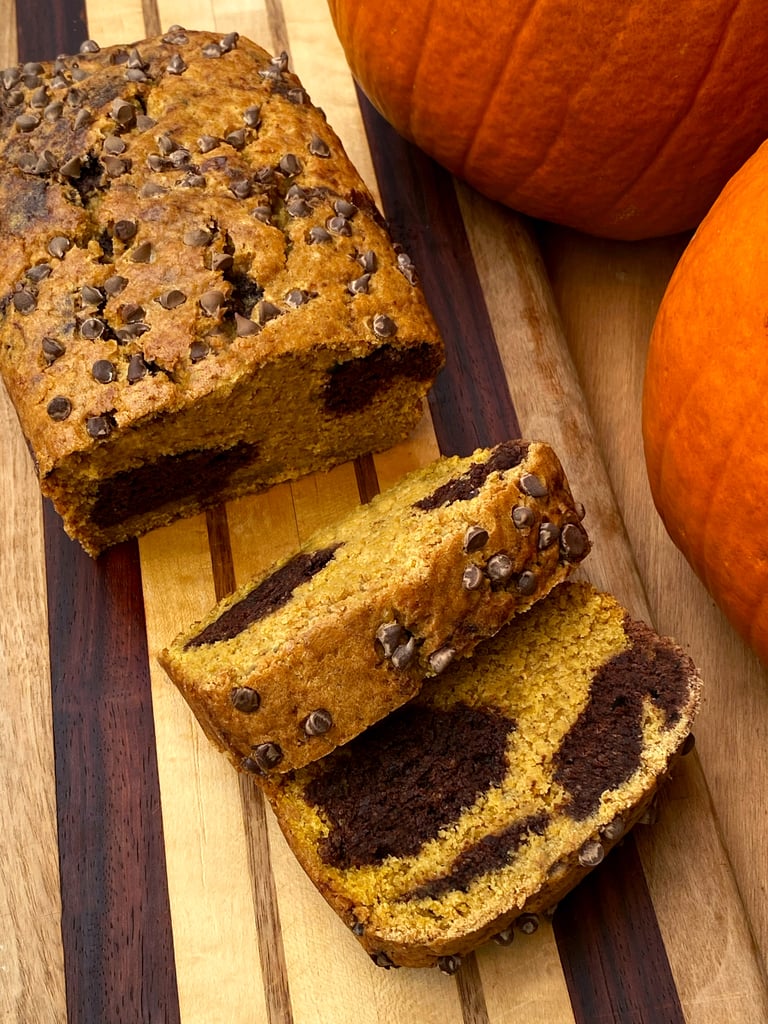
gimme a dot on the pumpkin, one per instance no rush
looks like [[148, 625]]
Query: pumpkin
[[621, 118], [705, 402]]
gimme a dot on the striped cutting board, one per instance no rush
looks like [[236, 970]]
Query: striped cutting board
[[142, 879]]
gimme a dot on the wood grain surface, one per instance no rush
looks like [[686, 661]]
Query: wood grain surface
[[143, 880]]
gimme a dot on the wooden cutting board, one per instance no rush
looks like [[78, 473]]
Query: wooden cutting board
[[143, 880]]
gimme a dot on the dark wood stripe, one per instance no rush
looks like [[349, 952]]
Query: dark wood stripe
[[612, 951], [116, 923], [152, 24], [222, 565], [367, 480], [471, 997], [470, 403]]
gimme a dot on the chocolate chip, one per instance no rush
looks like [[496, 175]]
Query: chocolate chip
[[144, 123], [345, 209], [132, 313], [531, 485], [206, 143], [591, 854], [475, 538], [39, 272], [115, 167], [72, 168], [318, 234], [297, 96], [369, 261], [359, 286], [440, 659], [142, 253], [472, 577], [212, 51], [123, 112], [289, 165], [403, 655], [172, 299], [266, 311], [499, 568], [505, 937], [198, 350], [197, 237], [82, 119], [449, 964], [526, 583], [614, 829], [318, 147], [156, 162], [104, 371], [211, 302], [53, 112], [241, 189], [406, 267], [522, 517], [27, 122], [298, 207], [339, 226], [24, 302], [390, 635], [280, 62], [192, 180], [229, 41], [318, 722], [176, 35], [135, 60], [244, 327], [39, 97], [100, 426], [383, 326], [176, 65], [125, 229], [52, 349], [221, 261], [245, 699], [114, 145], [382, 960], [528, 923], [91, 295], [137, 368], [115, 284], [59, 408], [58, 246], [252, 116], [297, 297], [548, 534], [92, 328], [574, 544], [11, 77], [264, 758]]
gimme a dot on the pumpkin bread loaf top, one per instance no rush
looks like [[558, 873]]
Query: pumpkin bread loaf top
[[198, 296], [321, 645], [498, 787]]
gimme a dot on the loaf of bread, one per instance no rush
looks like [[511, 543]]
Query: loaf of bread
[[198, 296], [321, 645], [488, 797]]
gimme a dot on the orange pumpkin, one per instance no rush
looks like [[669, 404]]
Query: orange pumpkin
[[705, 403], [622, 118]]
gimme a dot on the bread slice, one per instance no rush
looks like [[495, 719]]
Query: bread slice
[[499, 786], [198, 295], [306, 655]]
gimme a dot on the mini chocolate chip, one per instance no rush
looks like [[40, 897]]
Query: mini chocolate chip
[[172, 299], [59, 408], [39, 272], [403, 655], [176, 65], [39, 97], [573, 543], [144, 123], [11, 77], [179, 158], [297, 96], [142, 253], [505, 937], [391, 635], [289, 165], [499, 568], [115, 167], [89, 46], [100, 426], [264, 758], [252, 116], [449, 964], [358, 928], [222, 261], [318, 722], [211, 302], [319, 147], [475, 538], [133, 330], [104, 371], [244, 327], [132, 313], [197, 237], [123, 112], [266, 311], [137, 368], [531, 485], [264, 175], [114, 145], [52, 349], [298, 207], [548, 534], [651, 814], [406, 267], [440, 659], [229, 41], [24, 301], [472, 577], [82, 119], [58, 246], [192, 180], [212, 51], [359, 286], [339, 226], [382, 960], [383, 326], [614, 829], [522, 517], [46, 162], [72, 168], [54, 111], [155, 162], [16, 99], [528, 923], [297, 297], [75, 97], [27, 122], [318, 234], [580, 510], [198, 350], [245, 699], [591, 854], [27, 163], [91, 295], [345, 209], [176, 35], [369, 261], [115, 284], [526, 582], [206, 143], [92, 328], [280, 62], [241, 189]]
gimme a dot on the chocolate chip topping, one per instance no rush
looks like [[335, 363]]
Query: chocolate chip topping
[[271, 594], [59, 408], [263, 759], [475, 538], [100, 427], [604, 746], [318, 722], [574, 543], [531, 485], [499, 568], [549, 533], [52, 349], [467, 486], [522, 517], [245, 699], [104, 371], [472, 577], [398, 784]]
